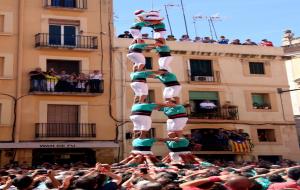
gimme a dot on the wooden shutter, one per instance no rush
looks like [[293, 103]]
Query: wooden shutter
[[63, 113], [1, 23], [2, 59]]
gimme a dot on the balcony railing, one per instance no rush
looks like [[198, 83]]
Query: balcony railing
[[47, 40], [67, 4], [65, 130], [55, 86], [215, 77], [217, 113]]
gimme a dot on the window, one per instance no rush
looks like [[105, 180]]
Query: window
[[152, 133], [1, 23], [148, 65], [261, 101], [63, 65], [151, 96], [257, 68], [266, 135], [63, 113], [64, 3], [201, 70], [2, 59], [204, 104]]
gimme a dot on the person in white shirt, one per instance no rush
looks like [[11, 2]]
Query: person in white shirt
[[207, 105], [95, 79]]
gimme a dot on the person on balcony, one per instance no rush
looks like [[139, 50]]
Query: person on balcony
[[207, 104], [126, 34], [164, 52], [81, 83], [52, 80], [172, 86], [236, 42], [249, 42], [95, 79], [38, 80], [265, 42], [223, 40], [62, 84], [136, 54]]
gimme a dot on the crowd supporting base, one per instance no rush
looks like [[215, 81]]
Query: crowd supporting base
[[217, 175]]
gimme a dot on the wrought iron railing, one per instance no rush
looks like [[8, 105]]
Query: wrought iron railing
[[216, 113], [66, 86], [66, 41], [215, 77], [69, 4], [65, 130]]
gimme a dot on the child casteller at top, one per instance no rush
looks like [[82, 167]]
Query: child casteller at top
[[148, 19]]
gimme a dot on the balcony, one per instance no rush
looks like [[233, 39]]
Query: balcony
[[214, 78], [229, 113], [48, 130], [66, 4], [79, 42]]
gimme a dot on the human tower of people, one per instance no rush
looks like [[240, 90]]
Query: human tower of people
[[171, 107]]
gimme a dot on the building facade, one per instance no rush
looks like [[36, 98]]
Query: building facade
[[41, 122], [241, 81], [291, 48]]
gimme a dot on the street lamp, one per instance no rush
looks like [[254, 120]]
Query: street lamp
[[184, 17], [167, 14]]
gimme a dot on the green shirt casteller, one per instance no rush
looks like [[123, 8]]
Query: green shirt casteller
[[143, 107], [143, 142], [178, 109], [182, 143], [140, 75]]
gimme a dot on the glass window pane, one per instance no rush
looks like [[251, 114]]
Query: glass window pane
[[201, 67]]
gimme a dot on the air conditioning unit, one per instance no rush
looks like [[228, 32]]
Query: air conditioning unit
[[204, 78]]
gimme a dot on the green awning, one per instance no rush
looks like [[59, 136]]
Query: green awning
[[204, 96]]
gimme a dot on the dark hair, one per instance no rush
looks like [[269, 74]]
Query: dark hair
[[294, 173], [217, 186], [22, 182], [276, 178], [255, 185], [86, 183]]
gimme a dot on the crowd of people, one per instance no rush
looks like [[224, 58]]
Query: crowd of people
[[219, 140], [51, 81], [217, 175], [221, 40]]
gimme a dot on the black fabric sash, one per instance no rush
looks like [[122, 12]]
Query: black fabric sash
[[181, 149], [135, 50], [181, 115], [142, 148], [148, 113], [139, 80], [172, 83], [164, 54]]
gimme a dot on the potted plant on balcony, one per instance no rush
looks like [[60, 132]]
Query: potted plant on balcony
[[256, 106], [266, 106]]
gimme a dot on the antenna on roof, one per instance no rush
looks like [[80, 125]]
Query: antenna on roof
[[211, 20]]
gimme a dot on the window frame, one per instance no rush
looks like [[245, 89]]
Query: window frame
[[266, 131], [257, 63], [266, 101]]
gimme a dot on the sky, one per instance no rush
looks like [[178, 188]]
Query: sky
[[242, 19]]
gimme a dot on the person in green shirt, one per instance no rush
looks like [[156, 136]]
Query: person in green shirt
[[136, 54], [139, 85], [164, 53], [159, 29], [172, 86], [177, 118]]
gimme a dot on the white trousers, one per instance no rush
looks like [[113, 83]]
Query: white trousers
[[137, 58], [175, 156], [164, 63], [171, 91], [141, 122], [136, 33], [176, 124], [142, 152], [139, 88]]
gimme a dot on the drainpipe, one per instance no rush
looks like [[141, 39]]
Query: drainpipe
[[19, 70], [124, 100]]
